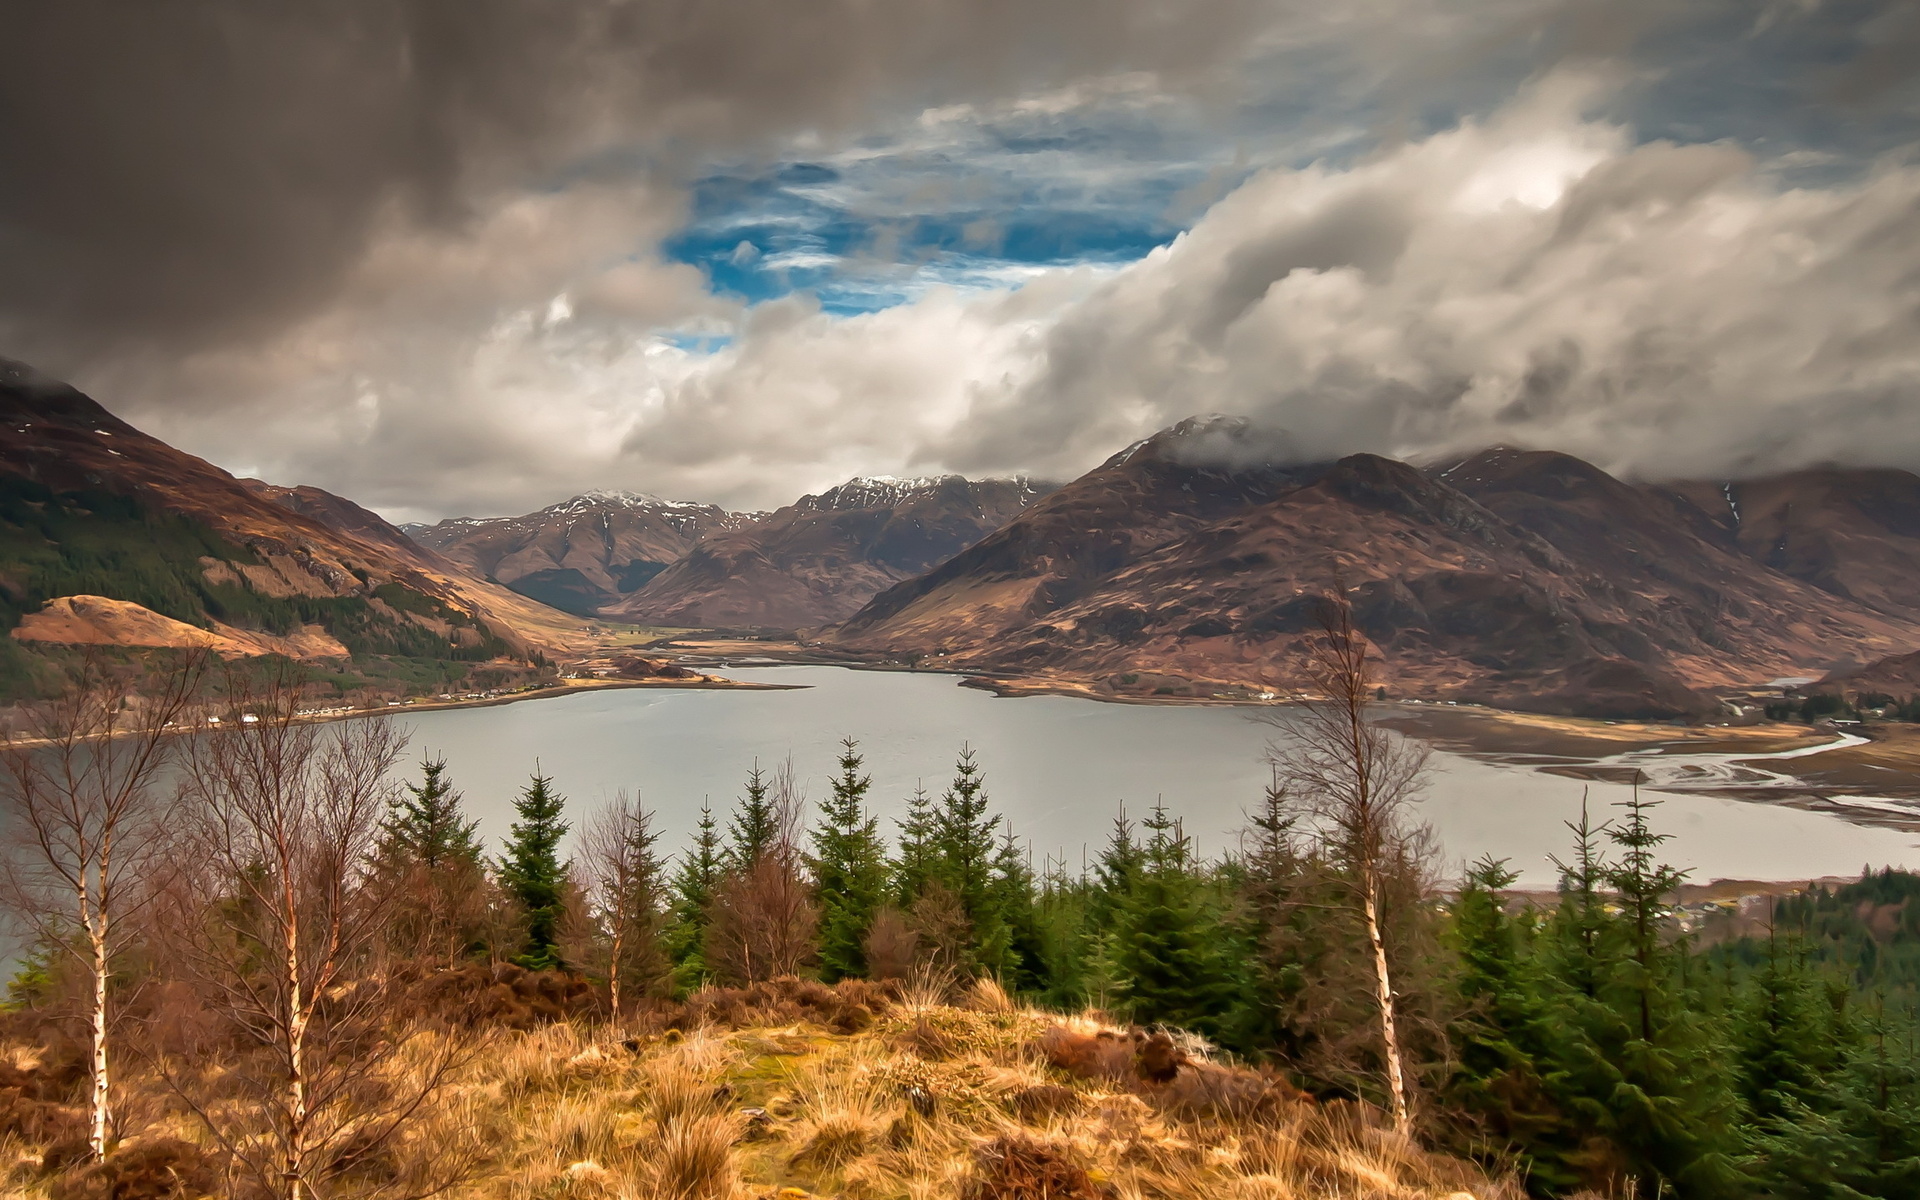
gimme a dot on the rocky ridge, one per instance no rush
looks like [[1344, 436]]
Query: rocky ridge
[[1190, 565]]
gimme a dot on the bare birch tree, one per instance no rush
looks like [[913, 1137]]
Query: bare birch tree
[[79, 798], [273, 926], [627, 893], [1352, 781]]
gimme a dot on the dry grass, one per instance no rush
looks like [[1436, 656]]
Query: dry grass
[[936, 1101]]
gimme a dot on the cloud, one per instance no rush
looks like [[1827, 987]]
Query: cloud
[[187, 176], [1536, 278], [427, 253]]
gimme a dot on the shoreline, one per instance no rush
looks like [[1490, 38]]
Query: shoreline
[[1869, 778]]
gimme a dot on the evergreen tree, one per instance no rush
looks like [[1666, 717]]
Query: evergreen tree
[[1264, 882], [849, 869], [1024, 969], [1856, 1135], [965, 843], [1644, 1068], [691, 903], [426, 825], [1115, 873], [1582, 923], [915, 863], [1790, 1036], [753, 827], [1168, 943], [429, 859], [532, 873], [1501, 1092]]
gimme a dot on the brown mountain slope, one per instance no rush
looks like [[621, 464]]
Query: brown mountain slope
[[91, 506], [1539, 582], [344, 516], [582, 554], [1854, 533], [822, 557]]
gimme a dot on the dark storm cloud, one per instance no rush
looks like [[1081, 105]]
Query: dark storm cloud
[[423, 252], [181, 172]]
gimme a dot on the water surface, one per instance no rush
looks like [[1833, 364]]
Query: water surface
[[1059, 767]]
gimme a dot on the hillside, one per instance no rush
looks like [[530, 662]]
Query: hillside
[[793, 1089], [822, 557], [1187, 566], [92, 508], [582, 554]]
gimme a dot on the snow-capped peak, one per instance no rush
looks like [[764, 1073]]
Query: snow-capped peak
[[873, 491]]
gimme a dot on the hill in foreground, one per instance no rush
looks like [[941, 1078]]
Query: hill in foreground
[[793, 1089]]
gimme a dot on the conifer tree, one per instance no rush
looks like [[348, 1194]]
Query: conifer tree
[[754, 825], [1167, 941], [531, 870], [849, 869], [1115, 872], [914, 865], [1501, 1090], [1789, 1037], [1266, 881], [1856, 1136], [1643, 1068], [1581, 924], [692, 902], [627, 892], [430, 859], [1024, 968], [425, 824], [965, 837]]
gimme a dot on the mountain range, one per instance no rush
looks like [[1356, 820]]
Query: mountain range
[[582, 554], [1191, 564], [821, 558], [1188, 565]]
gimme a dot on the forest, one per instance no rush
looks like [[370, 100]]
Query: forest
[[253, 921]]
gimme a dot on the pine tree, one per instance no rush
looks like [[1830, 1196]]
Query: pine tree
[[849, 869], [1643, 1068], [1643, 884], [1024, 969], [1789, 1037], [692, 903], [915, 863], [753, 827], [1581, 923], [1115, 872], [531, 870], [1502, 1089], [1167, 940], [1856, 1136], [426, 824], [965, 842]]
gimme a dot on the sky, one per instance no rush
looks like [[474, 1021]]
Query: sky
[[472, 257]]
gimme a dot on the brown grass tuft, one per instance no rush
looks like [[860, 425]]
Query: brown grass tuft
[[1020, 1167], [695, 1158], [159, 1170]]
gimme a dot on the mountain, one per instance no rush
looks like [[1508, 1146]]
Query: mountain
[[108, 535], [582, 554], [1853, 533], [822, 557], [1189, 564]]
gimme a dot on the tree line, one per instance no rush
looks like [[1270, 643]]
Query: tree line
[[264, 880]]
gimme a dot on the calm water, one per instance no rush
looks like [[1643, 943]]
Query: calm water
[[1058, 767]]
